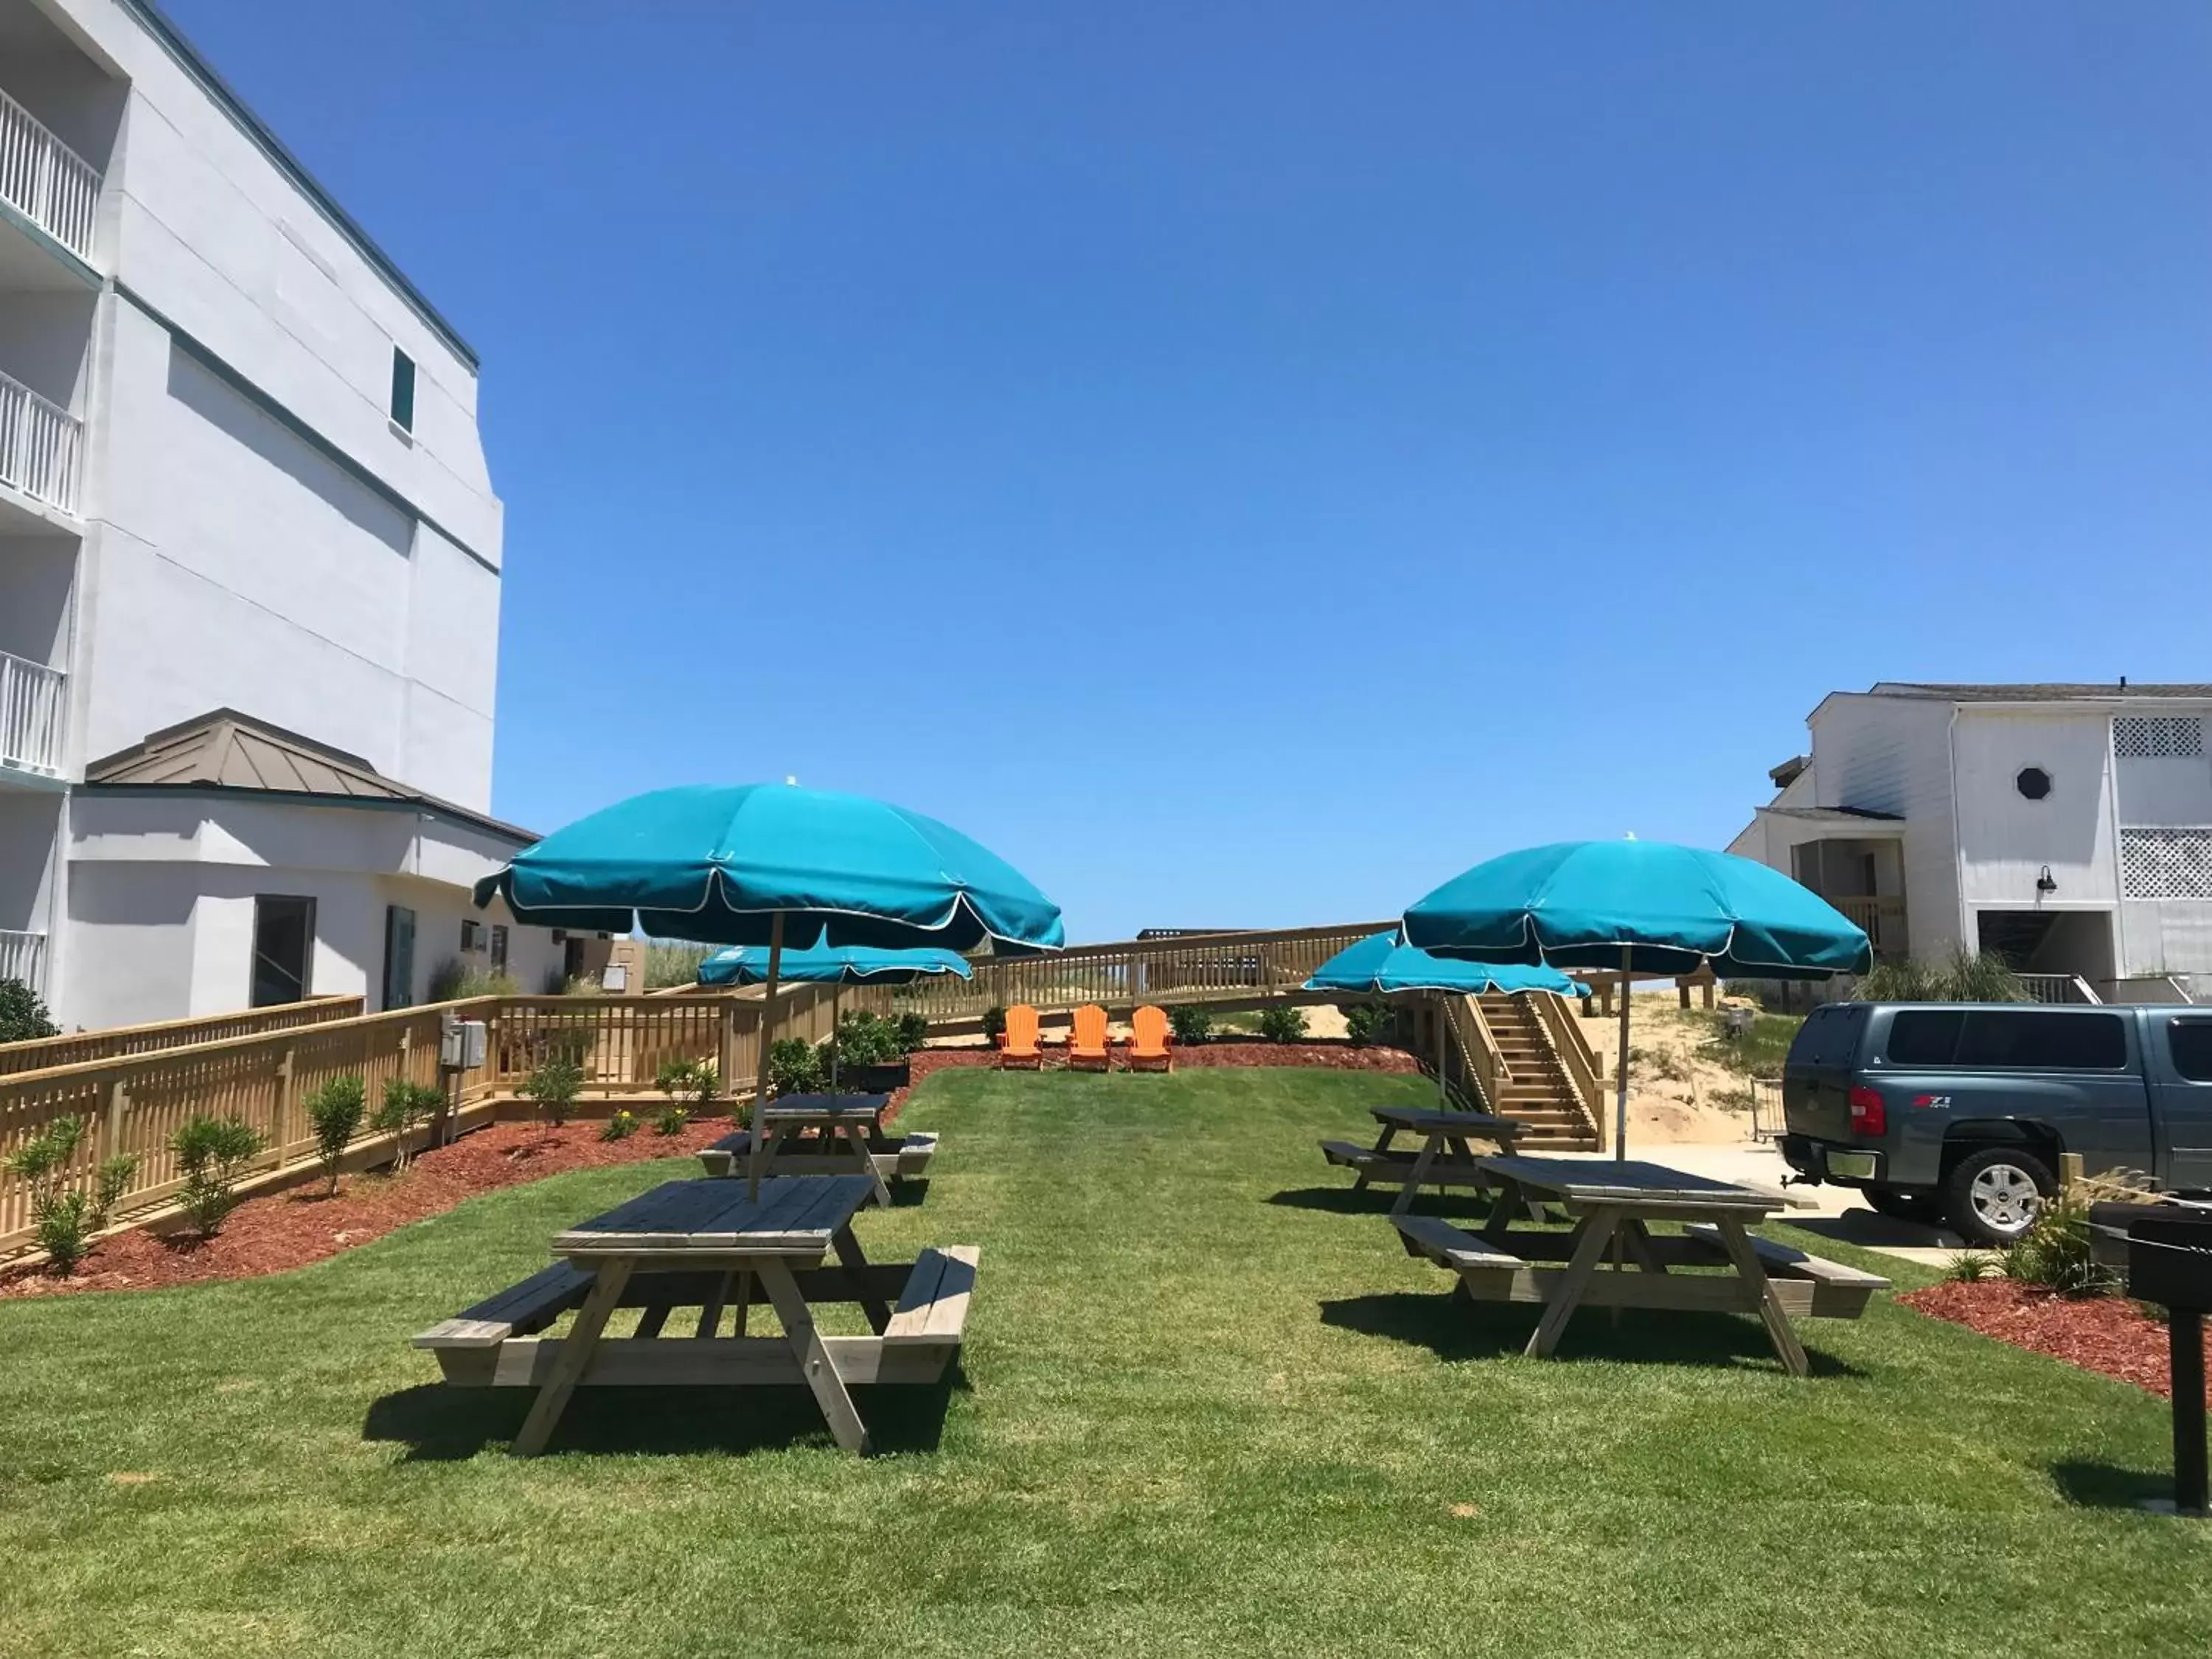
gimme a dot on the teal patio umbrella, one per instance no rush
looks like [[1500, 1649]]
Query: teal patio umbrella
[[743, 864], [748, 964], [1640, 907], [1383, 964]]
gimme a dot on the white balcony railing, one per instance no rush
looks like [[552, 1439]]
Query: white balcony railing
[[33, 702], [47, 181], [41, 445], [23, 956]]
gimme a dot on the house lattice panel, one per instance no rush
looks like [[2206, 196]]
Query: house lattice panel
[[2157, 737], [2165, 864]]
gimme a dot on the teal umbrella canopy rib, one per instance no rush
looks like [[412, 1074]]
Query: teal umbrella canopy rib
[[1383, 964], [747, 965]]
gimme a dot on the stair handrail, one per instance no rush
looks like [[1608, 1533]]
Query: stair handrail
[[1481, 1058], [1571, 1053]]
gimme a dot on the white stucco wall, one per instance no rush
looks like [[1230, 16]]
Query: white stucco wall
[[162, 885], [1894, 755], [2007, 841]]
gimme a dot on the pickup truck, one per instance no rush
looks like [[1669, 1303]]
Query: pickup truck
[[1958, 1112]]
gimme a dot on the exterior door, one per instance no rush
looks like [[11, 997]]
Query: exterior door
[[399, 956], [283, 949], [2183, 1090]]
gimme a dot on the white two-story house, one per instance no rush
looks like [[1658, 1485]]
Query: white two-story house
[[250, 558], [2066, 827]]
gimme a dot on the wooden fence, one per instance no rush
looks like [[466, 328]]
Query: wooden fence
[[134, 1103], [1197, 968], [42, 1053]]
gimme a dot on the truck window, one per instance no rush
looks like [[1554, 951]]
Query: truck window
[[2042, 1040], [1925, 1036], [1830, 1035], [2190, 1042]]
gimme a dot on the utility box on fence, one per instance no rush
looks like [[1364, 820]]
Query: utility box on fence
[[461, 1045]]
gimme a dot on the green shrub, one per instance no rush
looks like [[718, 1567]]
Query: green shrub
[[862, 1039], [912, 1029], [111, 1179], [23, 1017], [212, 1152], [63, 1216], [406, 1106], [670, 962], [671, 1120], [452, 979], [698, 1082], [555, 1084], [1366, 1023], [334, 1112], [1281, 1025], [994, 1023], [621, 1127], [62, 1225], [2056, 1252], [1968, 976], [1190, 1023], [793, 1068]]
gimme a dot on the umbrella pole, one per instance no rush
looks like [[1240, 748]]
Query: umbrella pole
[[1441, 1101], [767, 1044], [836, 1002], [1620, 1093]]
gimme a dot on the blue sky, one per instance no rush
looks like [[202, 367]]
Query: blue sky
[[1246, 463]]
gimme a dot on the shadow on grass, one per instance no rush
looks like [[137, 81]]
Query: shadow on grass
[[1377, 1200], [1453, 1327], [2106, 1486], [905, 1193], [437, 1422]]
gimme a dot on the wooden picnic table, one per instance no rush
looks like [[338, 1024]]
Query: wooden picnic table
[[705, 1244], [1611, 1199], [1448, 1157], [852, 1121]]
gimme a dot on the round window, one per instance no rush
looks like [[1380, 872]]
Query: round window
[[2033, 783]]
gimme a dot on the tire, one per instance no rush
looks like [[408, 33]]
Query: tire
[[1924, 1209], [1993, 1196]]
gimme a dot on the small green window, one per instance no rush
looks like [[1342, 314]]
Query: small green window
[[403, 389]]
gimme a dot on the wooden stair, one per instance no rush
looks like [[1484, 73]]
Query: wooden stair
[[1540, 1094]]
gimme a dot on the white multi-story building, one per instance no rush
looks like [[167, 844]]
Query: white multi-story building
[[2067, 828], [250, 557]]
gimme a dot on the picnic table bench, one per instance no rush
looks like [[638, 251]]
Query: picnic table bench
[[707, 1244], [1613, 1201], [821, 1134], [1447, 1157]]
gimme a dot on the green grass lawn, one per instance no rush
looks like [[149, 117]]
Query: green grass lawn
[[1208, 1407]]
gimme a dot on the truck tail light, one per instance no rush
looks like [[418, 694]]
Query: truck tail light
[[1868, 1115]]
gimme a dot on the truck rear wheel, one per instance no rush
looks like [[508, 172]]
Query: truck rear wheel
[[1993, 1196]]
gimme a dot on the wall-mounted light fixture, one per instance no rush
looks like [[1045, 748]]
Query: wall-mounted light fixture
[[2046, 883]]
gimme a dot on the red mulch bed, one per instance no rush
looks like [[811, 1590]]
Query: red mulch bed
[[2105, 1334], [290, 1229]]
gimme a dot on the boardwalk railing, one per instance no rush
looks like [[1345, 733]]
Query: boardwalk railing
[[40, 1054], [33, 704], [1195, 967], [47, 181], [1481, 1067], [41, 447]]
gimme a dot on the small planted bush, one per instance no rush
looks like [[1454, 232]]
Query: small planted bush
[[863, 1039], [1366, 1023], [406, 1106], [335, 1110], [1971, 1267], [621, 1127], [913, 1031], [695, 1083], [63, 1214], [1190, 1023], [994, 1023], [1280, 1024], [672, 1119], [553, 1086], [212, 1152], [2056, 1252], [793, 1068]]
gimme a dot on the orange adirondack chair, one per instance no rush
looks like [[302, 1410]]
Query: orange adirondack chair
[[1086, 1049], [1019, 1045], [1149, 1037]]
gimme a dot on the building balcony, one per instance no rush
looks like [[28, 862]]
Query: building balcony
[[45, 182], [41, 447], [33, 716], [23, 956], [1881, 920]]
